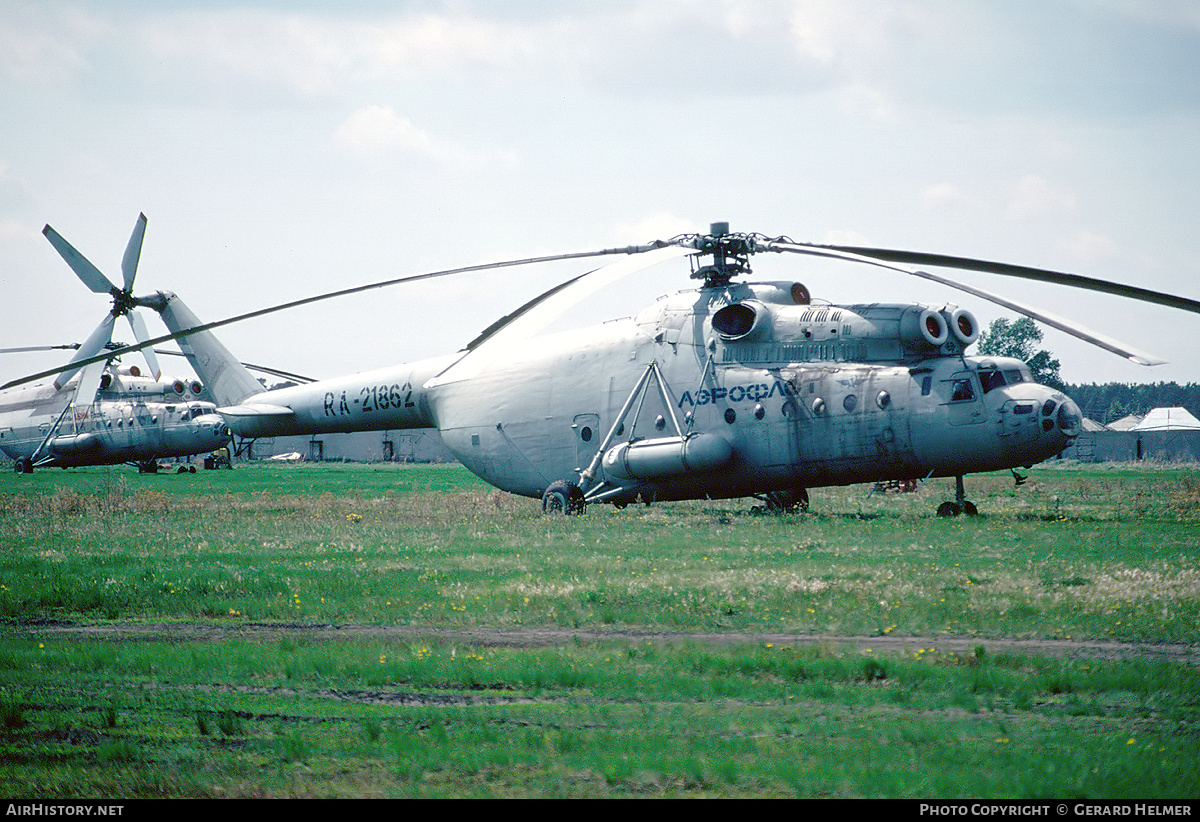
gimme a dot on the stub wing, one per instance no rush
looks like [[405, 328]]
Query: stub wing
[[257, 420]]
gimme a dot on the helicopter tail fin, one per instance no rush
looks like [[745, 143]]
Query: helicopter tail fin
[[221, 372]]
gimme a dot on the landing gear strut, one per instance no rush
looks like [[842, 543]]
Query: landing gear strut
[[961, 504]]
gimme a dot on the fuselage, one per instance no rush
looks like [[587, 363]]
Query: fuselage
[[786, 395]]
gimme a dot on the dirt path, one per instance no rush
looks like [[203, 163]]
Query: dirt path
[[543, 637]]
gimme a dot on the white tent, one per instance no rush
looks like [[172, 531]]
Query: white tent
[[1168, 419], [1126, 423]]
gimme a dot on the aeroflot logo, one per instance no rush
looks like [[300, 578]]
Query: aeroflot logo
[[738, 393]]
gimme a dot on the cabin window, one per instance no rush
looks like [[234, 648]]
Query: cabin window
[[962, 390], [926, 385]]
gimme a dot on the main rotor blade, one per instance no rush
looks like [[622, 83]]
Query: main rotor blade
[[1024, 272], [30, 348], [535, 315], [88, 351], [1062, 324], [187, 332], [133, 252], [500, 324], [141, 335], [80, 264], [89, 383]]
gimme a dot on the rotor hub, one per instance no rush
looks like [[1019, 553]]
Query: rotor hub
[[123, 302], [730, 251]]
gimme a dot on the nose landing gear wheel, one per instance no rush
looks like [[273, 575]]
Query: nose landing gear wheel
[[953, 509], [961, 504]]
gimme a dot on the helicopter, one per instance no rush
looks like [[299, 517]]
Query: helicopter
[[131, 420], [731, 389], [103, 413]]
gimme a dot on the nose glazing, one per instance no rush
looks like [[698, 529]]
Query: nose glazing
[[1070, 419]]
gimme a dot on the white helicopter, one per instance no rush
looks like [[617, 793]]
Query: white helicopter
[[728, 390], [101, 414]]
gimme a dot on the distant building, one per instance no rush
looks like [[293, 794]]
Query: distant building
[[1164, 435], [414, 445]]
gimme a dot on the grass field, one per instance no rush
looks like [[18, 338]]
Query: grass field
[[383, 630]]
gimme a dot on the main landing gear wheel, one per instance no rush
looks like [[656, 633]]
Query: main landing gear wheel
[[562, 497], [24, 465]]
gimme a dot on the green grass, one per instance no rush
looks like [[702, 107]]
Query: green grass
[[626, 697]]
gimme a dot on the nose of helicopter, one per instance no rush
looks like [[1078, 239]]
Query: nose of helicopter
[[216, 424], [1070, 418], [1060, 419]]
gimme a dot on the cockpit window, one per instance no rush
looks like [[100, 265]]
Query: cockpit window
[[1015, 376], [990, 378]]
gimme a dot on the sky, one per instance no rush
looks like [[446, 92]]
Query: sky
[[284, 149]]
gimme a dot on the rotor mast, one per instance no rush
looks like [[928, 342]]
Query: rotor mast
[[730, 253]]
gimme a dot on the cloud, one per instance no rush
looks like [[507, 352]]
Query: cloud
[[379, 129], [945, 195], [1089, 248], [45, 46], [1033, 197], [321, 54]]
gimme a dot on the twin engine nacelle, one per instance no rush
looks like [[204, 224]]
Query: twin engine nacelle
[[882, 331], [129, 383], [934, 327]]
